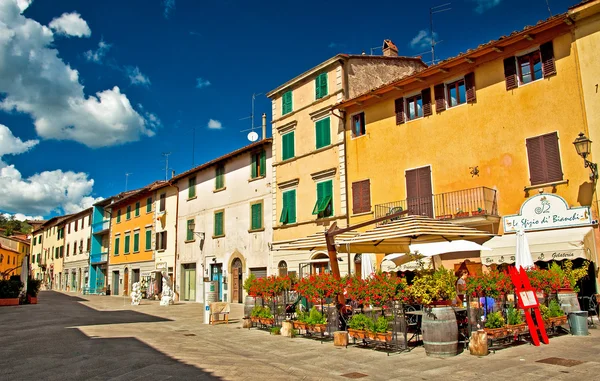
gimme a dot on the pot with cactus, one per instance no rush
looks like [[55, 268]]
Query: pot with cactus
[[494, 326]]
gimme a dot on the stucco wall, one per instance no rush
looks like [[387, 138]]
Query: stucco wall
[[170, 221], [75, 238]]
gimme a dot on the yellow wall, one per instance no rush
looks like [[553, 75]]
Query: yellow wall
[[143, 221], [10, 261], [51, 243], [489, 134]]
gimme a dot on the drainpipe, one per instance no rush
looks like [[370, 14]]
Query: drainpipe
[[264, 126]]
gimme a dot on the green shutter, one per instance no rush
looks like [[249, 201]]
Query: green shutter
[[148, 239], [324, 89], [323, 133], [284, 211], [148, 204], [263, 163], [118, 215], [286, 103], [137, 209], [321, 86], [218, 231], [318, 87], [287, 142], [192, 187], [256, 217], [219, 180], [136, 242], [324, 197], [291, 206], [128, 211], [254, 172], [190, 233], [127, 238]]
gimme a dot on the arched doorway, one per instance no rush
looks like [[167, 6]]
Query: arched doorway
[[322, 265], [126, 282], [236, 281], [282, 268]]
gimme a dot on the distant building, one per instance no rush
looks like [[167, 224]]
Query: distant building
[[77, 250]]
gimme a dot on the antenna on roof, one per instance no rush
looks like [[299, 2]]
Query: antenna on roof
[[432, 11], [376, 48], [166, 155], [252, 136], [127, 178], [548, 5]]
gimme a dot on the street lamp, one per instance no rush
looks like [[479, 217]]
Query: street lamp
[[583, 146], [192, 227]]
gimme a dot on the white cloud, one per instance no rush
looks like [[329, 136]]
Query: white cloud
[[23, 4], [136, 77], [11, 145], [22, 217], [201, 82], [35, 81], [214, 124], [422, 40], [97, 55], [168, 7], [484, 5], [71, 24]]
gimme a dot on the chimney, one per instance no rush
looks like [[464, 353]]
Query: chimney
[[264, 125], [172, 173], [389, 49]]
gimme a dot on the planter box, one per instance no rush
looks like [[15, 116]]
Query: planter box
[[461, 215], [445, 217], [517, 329], [31, 299], [496, 333], [384, 337], [267, 321], [478, 212], [561, 320], [299, 325], [255, 319], [371, 335], [9, 302], [356, 333], [319, 328]]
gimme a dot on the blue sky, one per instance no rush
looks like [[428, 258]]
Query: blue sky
[[142, 74]]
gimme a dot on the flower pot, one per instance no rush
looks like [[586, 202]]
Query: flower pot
[[385, 337], [372, 335], [319, 328], [299, 324], [31, 299], [255, 319], [445, 217], [517, 329], [357, 333], [267, 321], [478, 212], [560, 320], [461, 215], [496, 333], [9, 302]]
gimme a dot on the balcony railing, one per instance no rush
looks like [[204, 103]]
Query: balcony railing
[[100, 226], [464, 203], [99, 257]]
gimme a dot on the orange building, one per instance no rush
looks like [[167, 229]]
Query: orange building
[[10, 259]]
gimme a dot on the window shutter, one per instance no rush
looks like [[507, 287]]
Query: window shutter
[[164, 240], [156, 243], [136, 242], [412, 188], [356, 197], [440, 99], [426, 99], [254, 167], [291, 207], [361, 196], [318, 87], [547, 53], [552, 153], [536, 159], [510, 73], [263, 163], [323, 84], [399, 105], [470, 85], [323, 133], [366, 195]]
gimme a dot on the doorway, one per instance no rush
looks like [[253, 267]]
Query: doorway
[[135, 275], [419, 192], [115, 288], [189, 282], [236, 281], [216, 271], [126, 282]]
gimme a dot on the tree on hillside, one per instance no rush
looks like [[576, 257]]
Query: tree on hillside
[[11, 226]]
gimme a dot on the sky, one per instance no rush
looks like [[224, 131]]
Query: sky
[[93, 90]]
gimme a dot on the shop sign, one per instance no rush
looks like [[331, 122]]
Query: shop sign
[[161, 265], [547, 211]]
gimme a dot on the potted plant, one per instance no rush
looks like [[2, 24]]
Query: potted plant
[[514, 321], [255, 314], [317, 321], [381, 330], [494, 325], [9, 292], [266, 317], [301, 319], [33, 288], [556, 315], [358, 326], [461, 214], [478, 212], [437, 288]]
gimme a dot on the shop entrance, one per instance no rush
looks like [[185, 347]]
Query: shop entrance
[[189, 282], [217, 276], [236, 281], [115, 286], [126, 282]]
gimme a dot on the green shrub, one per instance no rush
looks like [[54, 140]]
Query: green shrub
[[513, 316], [360, 322], [10, 289], [545, 312], [554, 309], [265, 313], [301, 316], [494, 320], [381, 325], [256, 312], [33, 287], [276, 331], [316, 317]]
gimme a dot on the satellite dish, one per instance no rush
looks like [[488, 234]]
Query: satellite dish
[[253, 136]]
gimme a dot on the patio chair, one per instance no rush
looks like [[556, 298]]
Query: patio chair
[[412, 323]]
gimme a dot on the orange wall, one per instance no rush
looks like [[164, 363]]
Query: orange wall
[[144, 221], [10, 257]]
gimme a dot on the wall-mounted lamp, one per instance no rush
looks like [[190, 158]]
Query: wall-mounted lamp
[[583, 146], [192, 227]]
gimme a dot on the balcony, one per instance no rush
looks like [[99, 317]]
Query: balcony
[[99, 258], [467, 206], [100, 227]]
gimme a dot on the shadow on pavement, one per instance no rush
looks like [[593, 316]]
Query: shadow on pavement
[[37, 343]]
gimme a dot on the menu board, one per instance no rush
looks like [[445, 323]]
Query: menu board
[[528, 298]]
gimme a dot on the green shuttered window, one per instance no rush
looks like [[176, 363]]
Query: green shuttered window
[[323, 206], [323, 132], [219, 230], [148, 239], [321, 86], [288, 211], [127, 239], [118, 215], [259, 163], [136, 242], [190, 233], [148, 204], [286, 103], [191, 187], [257, 216], [117, 241], [220, 177], [287, 143], [128, 211], [137, 209]]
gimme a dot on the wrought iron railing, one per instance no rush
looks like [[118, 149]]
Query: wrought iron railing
[[464, 203]]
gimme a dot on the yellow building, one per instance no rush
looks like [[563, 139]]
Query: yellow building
[[131, 249], [309, 190], [51, 252], [36, 249], [11, 257], [473, 137]]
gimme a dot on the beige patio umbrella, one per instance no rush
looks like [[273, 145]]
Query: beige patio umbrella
[[311, 243]]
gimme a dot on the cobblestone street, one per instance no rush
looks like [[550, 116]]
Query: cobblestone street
[[98, 338]]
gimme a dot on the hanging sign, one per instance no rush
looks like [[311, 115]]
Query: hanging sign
[[547, 211]]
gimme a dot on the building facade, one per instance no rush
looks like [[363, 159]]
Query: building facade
[[12, 253], [473, 138], [53, 252], [165, 238], [77, 250], [309, 159], [224, 218], [36, 248], [100, 245]]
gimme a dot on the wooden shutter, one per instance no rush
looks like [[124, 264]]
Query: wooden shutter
[[440, 98], [164, 240], [219, 224], [163, 200], [323, 84], [412, 190], [536, 159], [256, 211], [399, 105], [318, 87], [547, 54], [470, 87], [254, 170], [356, 197], [323, 132], [426, 99], [552, 153], [510, 73], [263, 163], [291, 206], [136, 242]]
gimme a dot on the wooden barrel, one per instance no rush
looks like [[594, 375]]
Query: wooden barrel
[[440, 331]]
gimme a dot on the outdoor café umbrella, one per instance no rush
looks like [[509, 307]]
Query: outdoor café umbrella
[[25, 273], [523, 257], [366, 269]]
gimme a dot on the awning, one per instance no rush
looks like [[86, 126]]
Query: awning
[[312, 242], [546, 245], [391, 265]]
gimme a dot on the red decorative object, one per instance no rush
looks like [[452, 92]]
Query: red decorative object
[[528, 302], [31, 299], [478, 212], [9, 302], [317, 288], [461, 215]]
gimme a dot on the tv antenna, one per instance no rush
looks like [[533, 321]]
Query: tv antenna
[[252, 136], [432, 11], [127, 178], [166, 155], [375, 48]]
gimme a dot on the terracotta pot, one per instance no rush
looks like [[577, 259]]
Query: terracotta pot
[[517, 328], [496, 333], [566, 290], [267, 321], [9, 302], [31, 299], [384, 337], [372, 335], [299, 325], [445, 217], [319, 328], [561, 320], [461, 215], [478, 212], [357, 333], [255, 319]]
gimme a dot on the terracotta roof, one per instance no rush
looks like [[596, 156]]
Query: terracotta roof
[[470, 54], [8, 249], [22, 239], [79, 214], [237, 152], [131, 194]]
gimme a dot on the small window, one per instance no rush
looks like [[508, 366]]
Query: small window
[[68, 249], [414, 107], [127, 240], [163, 201], [286, 103], [136, 241], [118, 215], [75, 248], [161, 241], [117, 240], [282, 268], [529, 67], [189, 233], [323, 133], [361, 197], [321, 86], [287, 143], [456, 93], [148, 204], [128, 215], [358, 125], [288, 210], [137, 209], [219, 230], [76, 225], [89, 243], [220, 177], [324, 204], [192, 187], [259, 164], [148, 239], [256, 220]]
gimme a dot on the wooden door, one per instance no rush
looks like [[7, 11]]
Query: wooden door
[[419, 193], [126, 283], [235, 280]]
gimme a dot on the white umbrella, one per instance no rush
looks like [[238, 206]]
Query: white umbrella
[[436, 248], [25, 273], [366, 266], [523, 257]]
